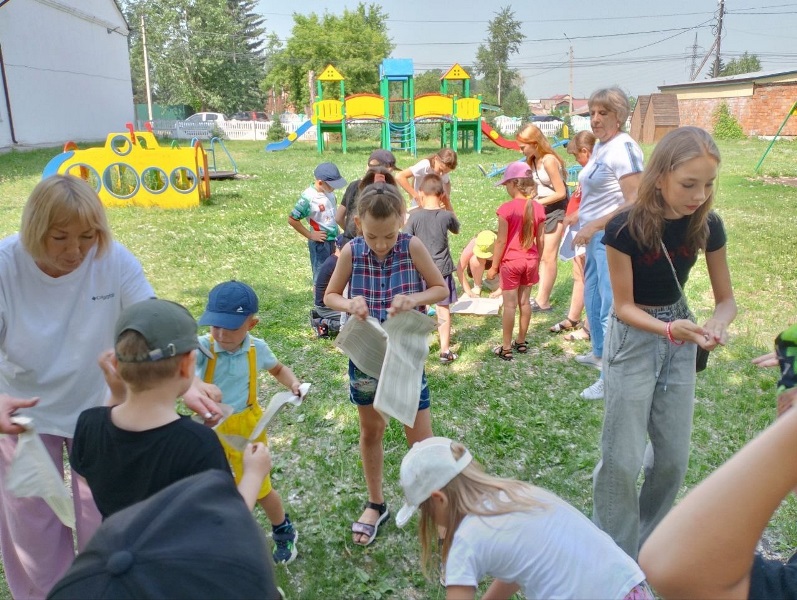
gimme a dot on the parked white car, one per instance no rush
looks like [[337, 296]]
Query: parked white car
[[205, 117]]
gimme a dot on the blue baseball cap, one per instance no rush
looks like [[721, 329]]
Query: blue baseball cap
[[329, 174], [229, 305]]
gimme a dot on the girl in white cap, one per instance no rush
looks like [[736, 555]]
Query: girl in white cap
[[525, 537]]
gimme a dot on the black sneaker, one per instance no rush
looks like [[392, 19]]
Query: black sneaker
[[285, 537], [322, 329]]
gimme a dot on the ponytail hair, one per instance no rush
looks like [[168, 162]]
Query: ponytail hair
[[446, 156], [528, 234], [381, 200]]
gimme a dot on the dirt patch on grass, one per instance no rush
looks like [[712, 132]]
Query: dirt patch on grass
[[790, 181]]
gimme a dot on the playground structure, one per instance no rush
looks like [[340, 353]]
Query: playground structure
[[133, 170], [397, 110]]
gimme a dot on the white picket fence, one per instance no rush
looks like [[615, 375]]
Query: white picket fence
[[231, 130]]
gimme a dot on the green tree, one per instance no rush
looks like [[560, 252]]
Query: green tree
[[746, 63], [206, 53], [504, 37], [515, 104], [354, 42], [428, 82]]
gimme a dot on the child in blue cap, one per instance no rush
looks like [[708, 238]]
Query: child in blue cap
[[231, 314], [317, 204]]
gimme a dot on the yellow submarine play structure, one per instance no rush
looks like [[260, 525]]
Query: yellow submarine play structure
[[399, 111], [131, 169]]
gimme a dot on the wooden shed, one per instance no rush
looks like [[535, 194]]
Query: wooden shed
[[654, 117]]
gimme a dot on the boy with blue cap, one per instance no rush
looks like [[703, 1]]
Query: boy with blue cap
[[231, 314], [317, 204]]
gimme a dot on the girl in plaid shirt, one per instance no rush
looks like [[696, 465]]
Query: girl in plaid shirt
[[387, 272]]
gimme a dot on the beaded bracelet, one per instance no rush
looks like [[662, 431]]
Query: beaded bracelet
[[668, 330]]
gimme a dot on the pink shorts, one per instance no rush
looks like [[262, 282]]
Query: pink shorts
[[518, 272]]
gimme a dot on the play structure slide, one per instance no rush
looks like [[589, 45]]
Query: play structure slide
[[496, 138], [281, 145]]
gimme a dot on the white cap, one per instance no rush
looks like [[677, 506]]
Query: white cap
[[428, 466]]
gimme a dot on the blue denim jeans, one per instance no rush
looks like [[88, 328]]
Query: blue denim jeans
[[319, 252], [597, 291], [649, 393]]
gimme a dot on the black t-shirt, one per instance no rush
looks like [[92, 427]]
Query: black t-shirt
[[124, 467], [432, 227], [348, 202], [654, 284], [773, 579], [322, 280]]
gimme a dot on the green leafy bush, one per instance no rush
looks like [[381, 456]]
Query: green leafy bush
[[276, 132], [726, 127]]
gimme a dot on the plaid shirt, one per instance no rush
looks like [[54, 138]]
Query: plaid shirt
[[379, 281]]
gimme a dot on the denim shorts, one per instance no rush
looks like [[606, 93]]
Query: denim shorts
[[362, 388]]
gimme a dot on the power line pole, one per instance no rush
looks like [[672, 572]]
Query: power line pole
[[692, 73], [146, 69], [717, 64]]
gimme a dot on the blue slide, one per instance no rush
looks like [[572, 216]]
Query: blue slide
[[282, 144]]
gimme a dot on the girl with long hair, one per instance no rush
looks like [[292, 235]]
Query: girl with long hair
[[652, 338], [525, 537]]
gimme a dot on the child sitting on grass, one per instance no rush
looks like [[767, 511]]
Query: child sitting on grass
[[525, 537], [431, 225], [131, 450], [235, 357]]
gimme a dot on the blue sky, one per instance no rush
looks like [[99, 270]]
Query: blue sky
[[637, 45]]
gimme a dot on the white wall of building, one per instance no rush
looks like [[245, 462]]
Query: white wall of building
[[67, 69]]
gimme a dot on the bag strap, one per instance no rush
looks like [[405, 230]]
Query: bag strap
[[562, 174], [674, 273]]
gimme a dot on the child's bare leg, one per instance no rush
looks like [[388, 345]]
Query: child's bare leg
[[422, 429], [271, 503], [444, 327], [577, 297], [508, 317], [524, 291], [372, 432]]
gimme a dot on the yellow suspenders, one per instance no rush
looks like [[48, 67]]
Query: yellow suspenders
[[211, 368]]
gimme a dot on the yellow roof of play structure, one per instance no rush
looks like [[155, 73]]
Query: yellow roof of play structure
[[456, 73], [330, 73]]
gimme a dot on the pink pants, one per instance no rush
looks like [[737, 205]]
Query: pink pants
[[37, 548]]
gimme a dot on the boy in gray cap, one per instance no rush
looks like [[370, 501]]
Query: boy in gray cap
[[140, 445], [317, 204]]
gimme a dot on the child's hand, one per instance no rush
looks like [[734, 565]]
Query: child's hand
[[358, 308], [257, 459], [401, 303], [491, 273], [717, 331], [204, 398], [766, 360], [295, 388], [107, 363]]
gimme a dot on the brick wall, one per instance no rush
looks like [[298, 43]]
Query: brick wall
[[759, 114]]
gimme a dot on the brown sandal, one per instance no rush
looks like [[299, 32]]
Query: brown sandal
[[503, 353], [567, 324]]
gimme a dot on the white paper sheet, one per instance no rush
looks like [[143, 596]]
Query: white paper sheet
[[477, 306], [566, 250]]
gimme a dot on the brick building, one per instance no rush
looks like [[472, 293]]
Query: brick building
[[758, 101]]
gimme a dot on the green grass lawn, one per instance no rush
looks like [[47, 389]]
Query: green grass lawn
[[521, 419]]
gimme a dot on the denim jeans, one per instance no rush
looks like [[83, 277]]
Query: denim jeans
[[597, 291], [319, 252], [649, 393]]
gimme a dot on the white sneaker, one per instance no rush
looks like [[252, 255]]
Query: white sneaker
[[594, 392], [476, 289], [590, 359]]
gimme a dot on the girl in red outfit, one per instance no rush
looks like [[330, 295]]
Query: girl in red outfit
[[517, 254]]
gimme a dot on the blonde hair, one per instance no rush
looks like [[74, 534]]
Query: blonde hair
[[147, 374], [57, 201], [614, 100], [646, 215], [472, 492], [531, 134]]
